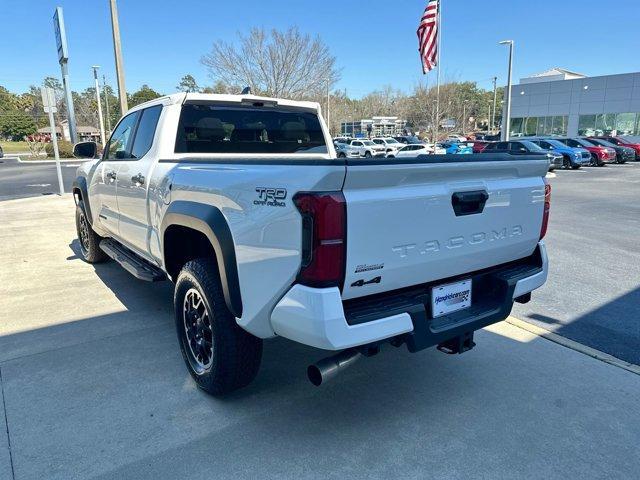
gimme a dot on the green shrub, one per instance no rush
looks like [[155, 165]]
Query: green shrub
[[65, 149]]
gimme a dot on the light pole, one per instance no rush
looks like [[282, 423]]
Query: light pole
[[493, 118], [117, 49], [106, 103], [464, 115], [506, 121], [95, 77]]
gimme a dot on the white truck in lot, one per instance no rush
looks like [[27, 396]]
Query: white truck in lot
[[241, 202]]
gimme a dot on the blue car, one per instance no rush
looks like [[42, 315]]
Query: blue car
[[573, 157], [456, 148]]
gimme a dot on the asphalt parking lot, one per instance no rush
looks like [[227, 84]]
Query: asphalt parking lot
[[32, 179], [93, 386], [593, 291]]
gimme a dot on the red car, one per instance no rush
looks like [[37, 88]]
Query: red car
[[623, 142], [479, 145], [599, 155]]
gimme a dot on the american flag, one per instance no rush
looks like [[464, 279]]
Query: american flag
[[428, 36]]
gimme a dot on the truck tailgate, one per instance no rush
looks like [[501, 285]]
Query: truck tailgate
[[412, 221]]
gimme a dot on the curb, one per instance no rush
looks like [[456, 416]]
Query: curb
[[35, 162], [573, 345]]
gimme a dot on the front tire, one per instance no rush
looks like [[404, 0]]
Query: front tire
[[220, 356], [367, 154], [88, 239]]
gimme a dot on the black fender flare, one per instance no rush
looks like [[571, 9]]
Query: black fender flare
[[210, 221], [80, 183]]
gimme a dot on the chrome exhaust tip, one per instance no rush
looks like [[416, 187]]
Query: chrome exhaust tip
[[329, 367]]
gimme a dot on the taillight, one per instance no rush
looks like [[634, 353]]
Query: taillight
[[324, 219], [547, 207]]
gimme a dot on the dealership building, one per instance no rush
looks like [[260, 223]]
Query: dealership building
[[561, 102], [374, 127]]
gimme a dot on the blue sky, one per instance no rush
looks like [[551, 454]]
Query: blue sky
[[374, 40]]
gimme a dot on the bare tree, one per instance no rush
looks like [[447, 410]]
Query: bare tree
[[281, 64]]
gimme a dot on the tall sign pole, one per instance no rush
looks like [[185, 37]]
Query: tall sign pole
[[95, 77], [49, 103], [63, 59], [117, 50]]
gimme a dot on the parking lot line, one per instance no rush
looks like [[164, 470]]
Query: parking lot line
[[573, 345]]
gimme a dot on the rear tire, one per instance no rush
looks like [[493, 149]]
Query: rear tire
[[341, 155], [221, 357], [88, 239]]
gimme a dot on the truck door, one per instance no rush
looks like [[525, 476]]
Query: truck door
[[133, 182], [104, 182]]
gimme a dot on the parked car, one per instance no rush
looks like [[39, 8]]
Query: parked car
[[525, 147], [409, 140], [366, 148], [239, 201], [391, 145], [599, 155], [623, 154], [454, 137], [344, 150], [419, 149], [342, 140], [572, 157], [624, 142], [455, 148], [478, 145]]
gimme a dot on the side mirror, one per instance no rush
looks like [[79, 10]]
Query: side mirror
[[85, 150]]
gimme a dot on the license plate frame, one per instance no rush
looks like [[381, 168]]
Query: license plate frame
[[451, 297]]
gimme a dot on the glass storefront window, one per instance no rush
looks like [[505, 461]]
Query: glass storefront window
[[559, 125], [587, 125], [605, 123], [530, 126], [516, 125], [626, 124]]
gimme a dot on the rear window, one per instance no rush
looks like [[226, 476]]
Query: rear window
[[207, 128]]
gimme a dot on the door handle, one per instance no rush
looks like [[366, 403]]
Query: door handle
[[111, 175], [138, 179]]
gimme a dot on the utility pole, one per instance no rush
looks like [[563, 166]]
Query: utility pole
[[493, 118], [106, 102], [95, 77], [507, 117], [117, 50]]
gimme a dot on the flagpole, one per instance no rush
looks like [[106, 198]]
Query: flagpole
[[439, 24]]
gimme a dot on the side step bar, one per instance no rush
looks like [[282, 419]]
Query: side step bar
[[131, 262]]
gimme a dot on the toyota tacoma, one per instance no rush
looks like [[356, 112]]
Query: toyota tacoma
[[242, 203]]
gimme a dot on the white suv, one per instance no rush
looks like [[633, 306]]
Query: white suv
[[392, 146], [366, 148]]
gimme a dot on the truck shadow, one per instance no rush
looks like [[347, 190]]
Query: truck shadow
[[606, 328]]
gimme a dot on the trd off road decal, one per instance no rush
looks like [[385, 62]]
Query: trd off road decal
[[270, 197]]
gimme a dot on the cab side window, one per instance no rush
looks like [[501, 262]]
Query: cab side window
[[146, 131], [119, 147]]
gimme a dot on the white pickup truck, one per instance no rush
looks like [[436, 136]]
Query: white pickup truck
[[242, 203]]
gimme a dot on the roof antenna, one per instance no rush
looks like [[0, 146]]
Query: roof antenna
[[246, 91]]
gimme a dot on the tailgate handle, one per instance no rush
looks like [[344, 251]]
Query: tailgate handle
[[469, 203]]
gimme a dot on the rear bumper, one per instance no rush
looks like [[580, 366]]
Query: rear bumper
[[320, 318]]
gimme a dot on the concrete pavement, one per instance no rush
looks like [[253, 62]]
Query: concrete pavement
[[95, 387]]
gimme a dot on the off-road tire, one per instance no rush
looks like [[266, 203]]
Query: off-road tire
[[88, 239], [237, 354]]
